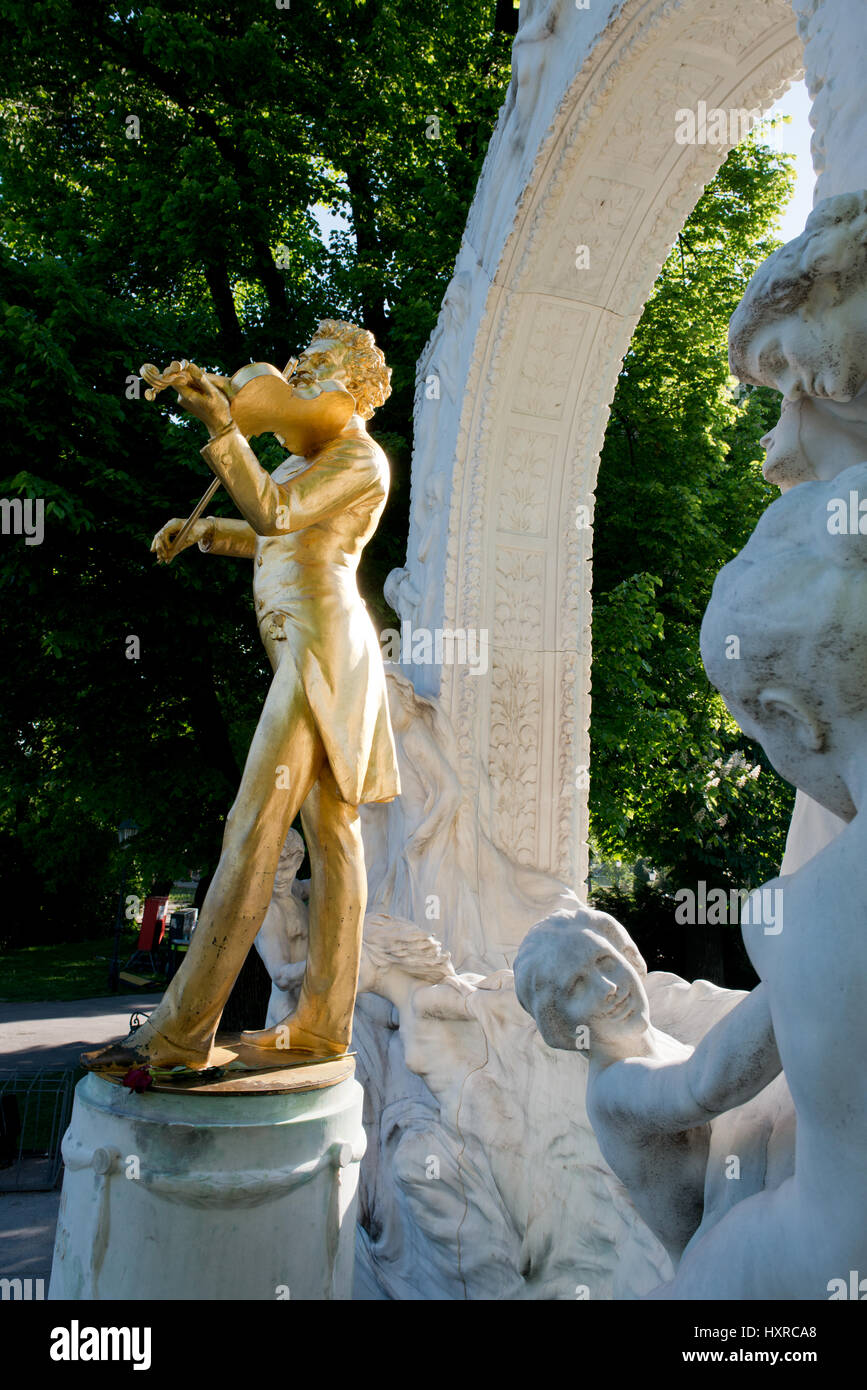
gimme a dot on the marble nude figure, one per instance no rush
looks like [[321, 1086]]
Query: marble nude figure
[[323, 744], [801, 328], [658, 1106], [796, 595]]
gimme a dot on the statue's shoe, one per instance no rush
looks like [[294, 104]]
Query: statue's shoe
[[114, 1057], [290, 1037], [145, 1046]]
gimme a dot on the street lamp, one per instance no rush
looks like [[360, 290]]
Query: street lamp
[[125, 832]]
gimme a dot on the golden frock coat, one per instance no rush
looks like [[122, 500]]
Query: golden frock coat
[[306, 526]]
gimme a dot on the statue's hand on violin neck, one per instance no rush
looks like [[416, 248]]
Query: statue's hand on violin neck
[[203, 394]]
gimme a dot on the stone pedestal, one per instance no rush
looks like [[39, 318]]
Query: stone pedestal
[[194, 1195]]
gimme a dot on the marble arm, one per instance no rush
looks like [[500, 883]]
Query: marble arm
[[328, 486], [735, 1060], [449, 1000]]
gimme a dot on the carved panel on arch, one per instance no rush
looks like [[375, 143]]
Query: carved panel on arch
[[515, 737], [547, 363], [520, 597], [597, 220], [716, 31], [573, 758], [643, 133], [529, 462], [513, 751]]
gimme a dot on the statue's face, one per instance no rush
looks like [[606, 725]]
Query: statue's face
[[290, 861], [787, 461], [287, 870], [433, 490], [324, 358], [589, 984], [813, 352]]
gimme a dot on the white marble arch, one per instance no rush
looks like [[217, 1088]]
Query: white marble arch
[[526, 354]]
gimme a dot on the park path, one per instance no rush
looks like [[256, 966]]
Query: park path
[[53, 1034]]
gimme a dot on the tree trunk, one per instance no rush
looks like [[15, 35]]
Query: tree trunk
[[231, 337]]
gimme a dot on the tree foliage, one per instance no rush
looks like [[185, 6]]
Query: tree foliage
[[180, 180], [169, 172], [680, 489]]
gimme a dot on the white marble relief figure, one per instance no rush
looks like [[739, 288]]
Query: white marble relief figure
[[493, 1174], [801, 328], [402, 594], [432, 532], [438, 387], [430, 860], [657, 1104], [796, 596], [438, 364], [407, 596], [523, 1205], [282, 937]]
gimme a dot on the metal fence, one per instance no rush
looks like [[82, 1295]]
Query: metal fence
[[34, 1114]]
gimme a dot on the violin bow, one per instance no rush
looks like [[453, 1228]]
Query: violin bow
[[157, 382]]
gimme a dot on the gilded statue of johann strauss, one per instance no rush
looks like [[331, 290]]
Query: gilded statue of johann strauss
[[324, 742]]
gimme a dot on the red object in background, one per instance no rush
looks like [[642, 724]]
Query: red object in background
[[153, 923]]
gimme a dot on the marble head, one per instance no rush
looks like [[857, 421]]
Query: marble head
[[581, 977], [801, 327], [784, 637]]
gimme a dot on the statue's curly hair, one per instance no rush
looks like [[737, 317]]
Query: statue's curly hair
[[367, 377], [830, 253]]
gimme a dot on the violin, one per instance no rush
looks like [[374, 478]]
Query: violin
[[299, 409]]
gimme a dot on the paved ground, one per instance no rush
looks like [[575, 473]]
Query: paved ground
[[27, 1221], [50, 1035], [53, 1035]]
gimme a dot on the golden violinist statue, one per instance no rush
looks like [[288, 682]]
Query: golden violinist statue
[[323, 744]]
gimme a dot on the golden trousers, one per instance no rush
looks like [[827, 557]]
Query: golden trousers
[[286, 771]]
